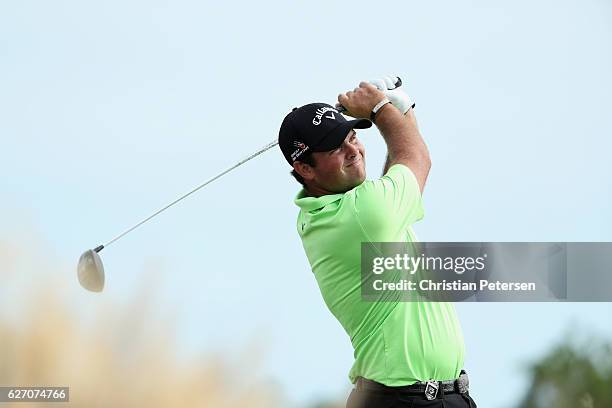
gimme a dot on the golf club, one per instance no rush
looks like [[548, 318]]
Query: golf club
[[90, 269]]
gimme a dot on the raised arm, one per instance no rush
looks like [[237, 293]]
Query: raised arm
[[404, 142]]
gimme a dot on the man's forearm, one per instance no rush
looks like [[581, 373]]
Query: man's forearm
[[388, 159], [404, 142]]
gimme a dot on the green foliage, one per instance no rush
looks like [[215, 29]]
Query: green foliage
[[572, 376], [327, 404]]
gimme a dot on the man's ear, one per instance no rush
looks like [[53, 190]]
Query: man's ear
[[303, 169]]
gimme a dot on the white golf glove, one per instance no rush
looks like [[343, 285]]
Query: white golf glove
[[398, 97]]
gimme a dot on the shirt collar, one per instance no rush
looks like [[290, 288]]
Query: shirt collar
[[307, 203]]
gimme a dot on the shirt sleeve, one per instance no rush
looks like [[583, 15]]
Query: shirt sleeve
[[386, 207]]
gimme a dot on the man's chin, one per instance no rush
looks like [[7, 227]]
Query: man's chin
[[361, 177], [356, 182]]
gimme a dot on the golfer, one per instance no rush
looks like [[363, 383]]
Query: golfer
[[407, 354]]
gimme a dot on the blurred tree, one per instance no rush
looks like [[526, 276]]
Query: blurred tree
[[327, 404], [572, 376]]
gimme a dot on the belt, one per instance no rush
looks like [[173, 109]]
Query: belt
[[429, 389]]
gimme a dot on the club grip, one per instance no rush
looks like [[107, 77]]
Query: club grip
[[397, 84]]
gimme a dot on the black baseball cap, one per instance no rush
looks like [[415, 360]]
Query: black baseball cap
[[316, 127]]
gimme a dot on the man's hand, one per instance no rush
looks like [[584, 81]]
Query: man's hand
[[360, 101], [398, 97]]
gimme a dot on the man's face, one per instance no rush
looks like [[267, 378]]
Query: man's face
[[339, 170]]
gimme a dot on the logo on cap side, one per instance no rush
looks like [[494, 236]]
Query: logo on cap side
[[320, 112], [301, 148]]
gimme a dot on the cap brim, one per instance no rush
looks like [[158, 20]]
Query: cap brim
[[337, 136]]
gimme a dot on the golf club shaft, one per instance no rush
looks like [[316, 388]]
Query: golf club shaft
[[241, 162], [267, 147]]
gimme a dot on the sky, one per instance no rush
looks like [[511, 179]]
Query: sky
[[110, 110]]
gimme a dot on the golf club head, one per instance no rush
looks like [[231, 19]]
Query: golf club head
[[91, 271]]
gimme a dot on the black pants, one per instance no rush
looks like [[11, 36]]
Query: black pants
[[397, 399]]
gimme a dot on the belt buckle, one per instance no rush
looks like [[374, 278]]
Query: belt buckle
[[463, 383], [431, 390]]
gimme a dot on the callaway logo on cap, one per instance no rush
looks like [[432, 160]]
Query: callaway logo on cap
[[316, 127]]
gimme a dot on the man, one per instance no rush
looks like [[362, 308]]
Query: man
[[407, 354]]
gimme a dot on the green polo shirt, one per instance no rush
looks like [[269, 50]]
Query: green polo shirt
[[395, 343]]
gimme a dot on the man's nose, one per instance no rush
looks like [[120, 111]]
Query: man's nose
[[351, 150]]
